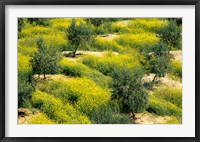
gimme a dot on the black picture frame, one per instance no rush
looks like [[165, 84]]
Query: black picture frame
[[3, 4]]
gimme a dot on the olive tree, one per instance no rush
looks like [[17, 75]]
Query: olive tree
[[39, 21], [78, 35], [171, 35], [45, 60], [156, 59], [129, 91]]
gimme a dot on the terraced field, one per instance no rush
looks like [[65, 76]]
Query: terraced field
[[127, 71]]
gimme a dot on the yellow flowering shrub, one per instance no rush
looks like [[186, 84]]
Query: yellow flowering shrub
[[60, 23], [81, 92], [34, 31], [57, 39], [137, 40], [61, 112], [147, 24], [163, 107], [40, 118], [78, 69], [110, 62], [27, 46], [24, 66], [104, 44], [173, 95]]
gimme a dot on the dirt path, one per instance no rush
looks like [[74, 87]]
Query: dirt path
[[164, 81], [147, 118], [124, 22], [108, 36], [82, 53], [177, 55], [25, 115]]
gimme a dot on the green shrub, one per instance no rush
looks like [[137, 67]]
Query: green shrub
[[21, 24], [39, 21], [163, 107], [25, 88], [173, 95], [25, 81], [57, 110], [109, 114]]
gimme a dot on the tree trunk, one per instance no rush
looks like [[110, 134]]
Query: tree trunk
[[44, 74], [154, 78], [133, 115], [74, 53]]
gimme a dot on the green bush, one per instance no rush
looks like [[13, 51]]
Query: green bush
[[173, 95], [39, 21], [163, 107], [109, 114], [62, 113], [25, 81]]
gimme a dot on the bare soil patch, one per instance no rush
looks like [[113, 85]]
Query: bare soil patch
[[124, 22], [80, 54], [25, 115], [167, 81], [177, 55], [108, 36], [147, 118]]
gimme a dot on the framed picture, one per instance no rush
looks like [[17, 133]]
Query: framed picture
[[99, 70]]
